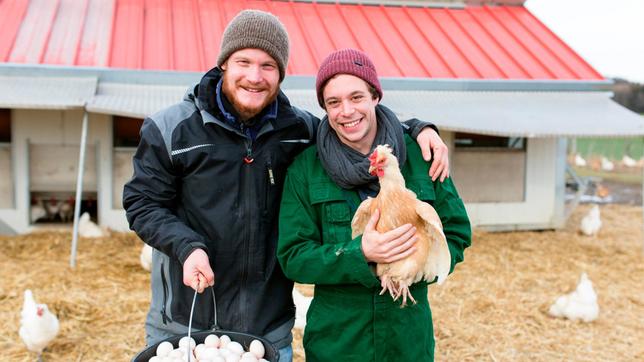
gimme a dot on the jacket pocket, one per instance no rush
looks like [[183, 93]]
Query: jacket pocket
[[335, 212]]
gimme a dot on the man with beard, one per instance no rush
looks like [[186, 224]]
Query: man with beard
[[208, 176]]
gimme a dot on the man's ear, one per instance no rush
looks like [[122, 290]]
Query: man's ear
[[224, 65]]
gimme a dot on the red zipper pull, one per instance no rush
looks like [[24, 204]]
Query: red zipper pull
[[248, 160]]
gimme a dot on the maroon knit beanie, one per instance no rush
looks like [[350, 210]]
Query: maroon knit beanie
[[346, 61]]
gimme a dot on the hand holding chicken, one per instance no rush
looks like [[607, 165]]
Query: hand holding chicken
[[430, 257]]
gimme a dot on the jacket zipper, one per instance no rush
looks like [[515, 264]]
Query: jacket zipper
[[164, 282], [248, 233]]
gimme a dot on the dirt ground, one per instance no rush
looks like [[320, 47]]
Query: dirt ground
[[493, 308]]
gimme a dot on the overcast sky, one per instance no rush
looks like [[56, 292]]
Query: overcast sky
[[609, 34]]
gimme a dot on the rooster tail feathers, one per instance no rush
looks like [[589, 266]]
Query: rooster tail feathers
[[439, 261]]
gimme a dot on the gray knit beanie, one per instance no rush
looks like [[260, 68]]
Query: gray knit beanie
[[256, 29]]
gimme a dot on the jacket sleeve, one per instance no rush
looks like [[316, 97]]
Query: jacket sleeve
[[413, 127], [300, 251], [150, 197], [456, 223]]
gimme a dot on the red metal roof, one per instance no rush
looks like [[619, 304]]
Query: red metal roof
[[481, 42]]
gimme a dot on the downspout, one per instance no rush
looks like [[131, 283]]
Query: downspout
[[79, 187]]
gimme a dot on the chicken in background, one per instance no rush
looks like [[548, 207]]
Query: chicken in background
[[66, 210], [146, 257], [52, 206], [88, 229], [580, 304], [591, 222], [607, 165], [628, 161], [37, 211], [579, 161], [38, 326], [302, 304], [399, 206]]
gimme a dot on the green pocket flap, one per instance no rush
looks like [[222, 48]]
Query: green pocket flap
[[423, 188]]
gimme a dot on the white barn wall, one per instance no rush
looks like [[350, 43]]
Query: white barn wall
[[540, 209]]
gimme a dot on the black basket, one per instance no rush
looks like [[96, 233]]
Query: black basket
[[271, 354], [244, 339]]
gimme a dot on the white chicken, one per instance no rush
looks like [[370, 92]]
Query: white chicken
[[66, 210], [146, 257], [591, 223], [88, 229], [606, 164], [628, 161], [399, 206], [302, 304], [38, 211], [580, 304], [38, 326], [579, 161]]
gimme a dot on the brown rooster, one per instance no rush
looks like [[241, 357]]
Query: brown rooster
[[399, 206]]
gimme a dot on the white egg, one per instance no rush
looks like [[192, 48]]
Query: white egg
[[164, 348], [211, 341], [155, 359], [223, 341], [235, 347], [232, 358], [199, 349], [209, 353], [177, 353], [219, 359], [257, 348], [248, 357], [183, 343], [263, 360]]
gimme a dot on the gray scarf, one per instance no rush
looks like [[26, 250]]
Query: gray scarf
[[349, 168]]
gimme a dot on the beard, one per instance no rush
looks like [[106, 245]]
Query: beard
[[245, 111]]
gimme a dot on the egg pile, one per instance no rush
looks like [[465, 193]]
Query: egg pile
[[213, 349]]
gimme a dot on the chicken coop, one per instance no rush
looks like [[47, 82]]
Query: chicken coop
[[504, 90]]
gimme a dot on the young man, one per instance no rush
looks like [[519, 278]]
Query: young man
[[348, 319], [208, 177]]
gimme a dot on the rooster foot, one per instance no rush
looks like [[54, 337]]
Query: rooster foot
[[389, 285], [404, 290]]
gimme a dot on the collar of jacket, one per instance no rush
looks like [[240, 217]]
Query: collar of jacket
[[206, 100]]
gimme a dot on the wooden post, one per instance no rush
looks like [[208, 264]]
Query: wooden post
[[79, 189]]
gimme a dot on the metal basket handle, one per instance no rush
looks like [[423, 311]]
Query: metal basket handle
[[192, 310]]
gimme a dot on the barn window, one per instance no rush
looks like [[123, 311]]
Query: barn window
[[126, 131], [472, 140], [5, 125]]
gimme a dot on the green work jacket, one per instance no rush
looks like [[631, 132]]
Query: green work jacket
[[348, 319]]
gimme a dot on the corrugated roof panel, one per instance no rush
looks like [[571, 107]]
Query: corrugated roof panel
[[33, 36], [564, 54], [158, 52], [533, 45], [212, 27], [405, 58], [11, 17], [436, 36], [95, 43], [509, 41], [46, 92], [489, 42], [335, 25], [433, 64], [504, 65], [66, 33], [187, 35], [127, 38], [451, 21], [133, 100]]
